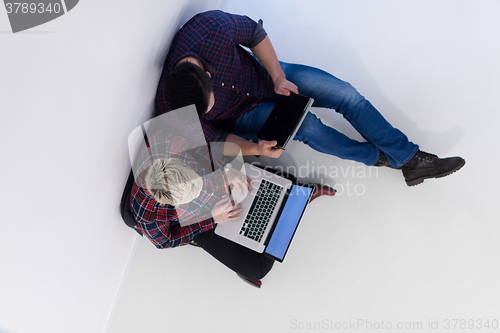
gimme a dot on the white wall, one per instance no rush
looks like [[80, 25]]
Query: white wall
[[71, 92], [389, 253]]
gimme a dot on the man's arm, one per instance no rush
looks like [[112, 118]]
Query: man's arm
[[264, 51], [264, 148]]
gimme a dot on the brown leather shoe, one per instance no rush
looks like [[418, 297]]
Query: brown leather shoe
[[253, 283], [424, 165], [320, 190]]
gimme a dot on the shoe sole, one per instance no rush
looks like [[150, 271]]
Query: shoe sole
[[253, 283], [421, 179]]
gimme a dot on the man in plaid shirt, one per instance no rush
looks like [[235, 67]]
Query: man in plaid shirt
[[234, 93]]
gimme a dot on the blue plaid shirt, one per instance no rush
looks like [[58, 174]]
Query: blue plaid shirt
[[240, 82]]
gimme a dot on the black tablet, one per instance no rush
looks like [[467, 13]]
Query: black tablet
[[285, 119]]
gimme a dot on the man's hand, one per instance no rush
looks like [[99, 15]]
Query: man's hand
[[265, 148], [283, 87]]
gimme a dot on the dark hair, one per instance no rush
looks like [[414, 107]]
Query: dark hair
[[187, 84]]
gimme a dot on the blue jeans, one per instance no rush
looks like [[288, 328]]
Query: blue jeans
[[330, 92]]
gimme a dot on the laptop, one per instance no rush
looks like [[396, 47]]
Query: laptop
[[285, 119], [270, 214]]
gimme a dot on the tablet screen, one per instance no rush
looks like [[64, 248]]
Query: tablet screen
[[284, 119]]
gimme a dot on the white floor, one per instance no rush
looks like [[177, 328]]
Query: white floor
[[378, 257]]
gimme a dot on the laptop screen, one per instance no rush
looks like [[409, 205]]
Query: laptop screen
[[288, 222]]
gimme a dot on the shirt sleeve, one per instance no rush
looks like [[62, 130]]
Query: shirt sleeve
[[258, 36], [220, 135], [163, 235]]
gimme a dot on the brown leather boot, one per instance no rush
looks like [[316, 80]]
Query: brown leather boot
[[382, 161], [424, 165]]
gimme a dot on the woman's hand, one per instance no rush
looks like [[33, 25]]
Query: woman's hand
[[224, 211], [240, 182]]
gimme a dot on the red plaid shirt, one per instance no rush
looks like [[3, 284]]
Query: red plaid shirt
[[160, 223], [240, 82]]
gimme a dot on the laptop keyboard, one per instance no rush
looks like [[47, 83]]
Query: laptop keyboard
[[261, 210]]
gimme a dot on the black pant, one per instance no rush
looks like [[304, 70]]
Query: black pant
[[240, 259]]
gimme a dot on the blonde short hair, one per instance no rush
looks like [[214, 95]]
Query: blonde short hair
[[172, 182]]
